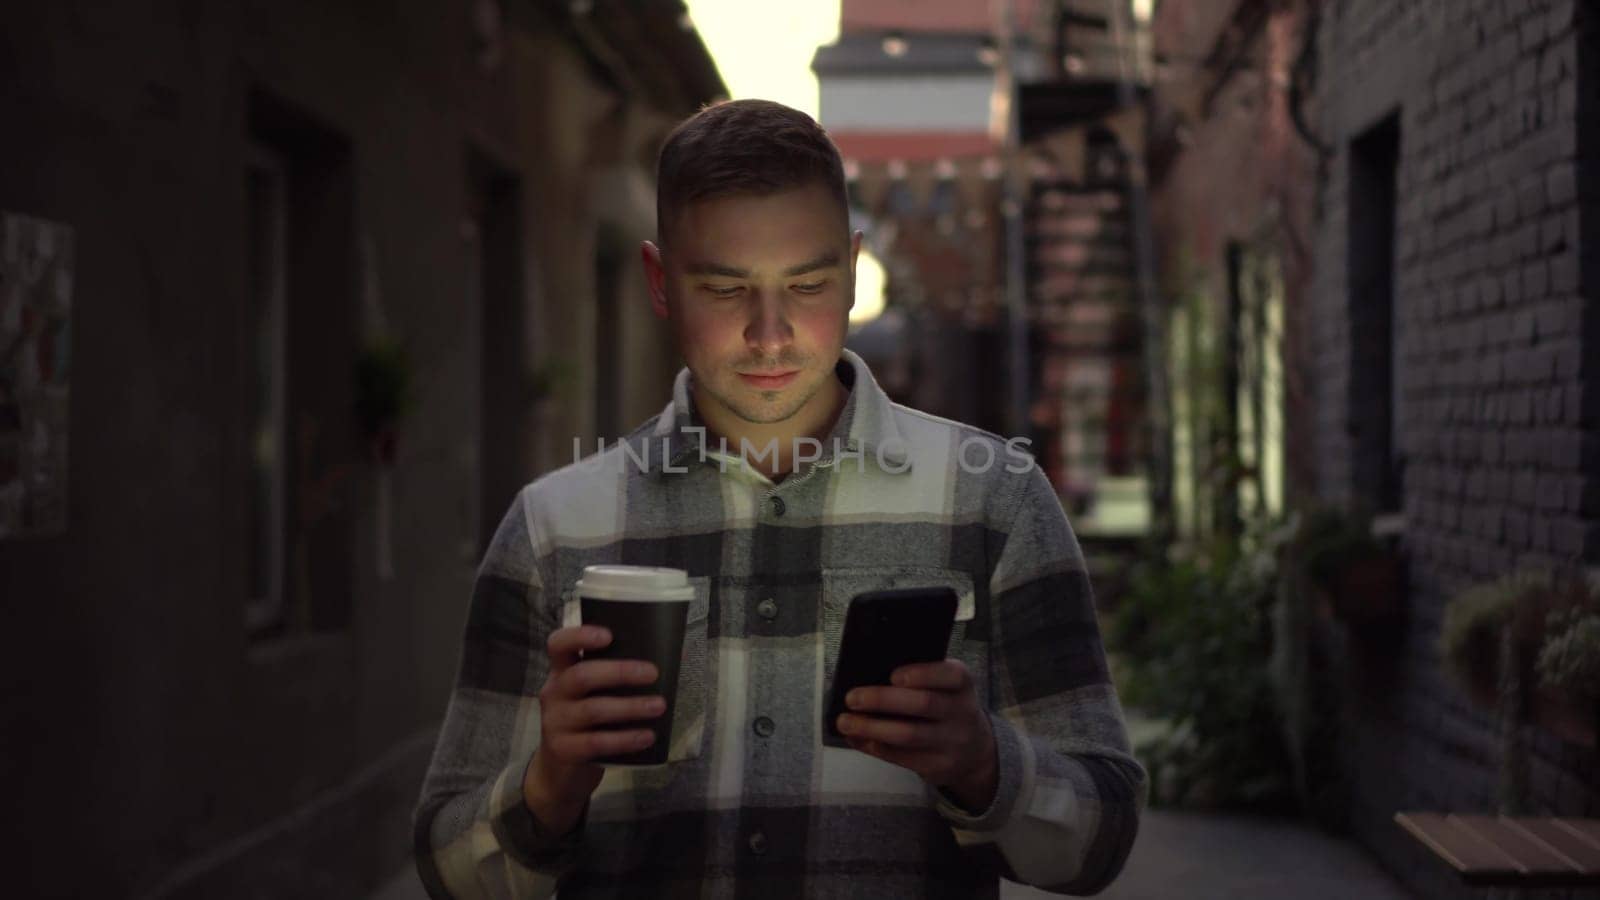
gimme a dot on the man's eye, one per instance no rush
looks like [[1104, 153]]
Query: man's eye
[[716, 291], [812, 288]]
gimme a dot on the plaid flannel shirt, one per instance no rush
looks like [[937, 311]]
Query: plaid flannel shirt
[[753, 803]]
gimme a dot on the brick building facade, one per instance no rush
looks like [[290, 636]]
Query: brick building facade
[[1466, 399], [1425, 176]]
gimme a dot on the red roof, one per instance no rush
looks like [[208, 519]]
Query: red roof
[[877, 146], [925, 15]]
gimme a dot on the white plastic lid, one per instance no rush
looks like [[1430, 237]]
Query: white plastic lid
[[646, 584]]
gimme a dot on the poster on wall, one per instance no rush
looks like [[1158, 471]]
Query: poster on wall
[[35, 340]]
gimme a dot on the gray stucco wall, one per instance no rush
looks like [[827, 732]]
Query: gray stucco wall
[[149, 746]]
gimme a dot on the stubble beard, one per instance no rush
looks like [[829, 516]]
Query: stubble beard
[[762, 412]]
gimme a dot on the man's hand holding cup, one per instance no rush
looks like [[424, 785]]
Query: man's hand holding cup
[[578, 723], [613, 680]]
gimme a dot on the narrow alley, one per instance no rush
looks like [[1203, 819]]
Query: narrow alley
[[323, 326]]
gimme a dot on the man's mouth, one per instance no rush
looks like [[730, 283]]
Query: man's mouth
[[769, 381]]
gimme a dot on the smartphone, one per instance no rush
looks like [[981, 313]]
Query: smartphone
[[884, 630]]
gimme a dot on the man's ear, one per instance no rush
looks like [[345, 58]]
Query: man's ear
[[855, 251], [655, 276]]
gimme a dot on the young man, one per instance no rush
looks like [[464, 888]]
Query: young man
[[785, 482]]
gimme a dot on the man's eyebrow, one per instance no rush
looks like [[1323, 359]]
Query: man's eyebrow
[[711, 268], [826, 260]]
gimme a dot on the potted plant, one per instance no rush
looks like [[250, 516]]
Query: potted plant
[[1566, 700], [1528, 645], [1470, 635], [544, 381], [383, 396], [1356, 577]]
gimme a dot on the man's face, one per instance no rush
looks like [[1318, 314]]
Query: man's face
[[758, 290]]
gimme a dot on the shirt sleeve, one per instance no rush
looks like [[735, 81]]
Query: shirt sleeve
[[474, 835], [1070, 792]]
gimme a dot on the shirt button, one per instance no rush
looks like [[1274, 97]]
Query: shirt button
[[767, 609], [764, 727], [758, 843], [778, 506]]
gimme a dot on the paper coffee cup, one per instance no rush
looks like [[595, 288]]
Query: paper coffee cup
[[645, 608]]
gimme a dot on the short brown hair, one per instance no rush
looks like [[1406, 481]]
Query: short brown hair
[[744, 147]]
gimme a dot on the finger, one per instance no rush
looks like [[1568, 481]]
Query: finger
[[588, 745], [902, 733], [920, 762], [896, 701], [603, 675], [586, 715], [871, 748], [565, 644], [949, 675]]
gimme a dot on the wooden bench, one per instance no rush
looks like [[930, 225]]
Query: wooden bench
[[1506, 851]]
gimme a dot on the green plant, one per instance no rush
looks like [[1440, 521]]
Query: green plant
[[1329, 541], [1470, 633], [1553, 618], [544, 380], [1193, 635], [1308, 680], [1570, 657], [1518, 644], [1351, 574], [383, 386]]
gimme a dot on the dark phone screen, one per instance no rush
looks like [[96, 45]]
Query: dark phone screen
[[884, 630]]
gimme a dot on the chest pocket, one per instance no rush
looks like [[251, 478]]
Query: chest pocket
[[840, 586], [689, 708]]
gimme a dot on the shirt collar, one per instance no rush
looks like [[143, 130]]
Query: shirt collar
[[866, 425]]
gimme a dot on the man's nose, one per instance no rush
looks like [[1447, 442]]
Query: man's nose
[[769, 330]]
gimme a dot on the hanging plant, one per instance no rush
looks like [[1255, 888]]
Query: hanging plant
[[545, 380], [1470, 634], [1570, 657], [1528, 645], [1361, 580], [384, 395]]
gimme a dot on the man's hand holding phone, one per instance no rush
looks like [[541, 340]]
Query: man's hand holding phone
[[928, 720], [895, 694], [573, 724]]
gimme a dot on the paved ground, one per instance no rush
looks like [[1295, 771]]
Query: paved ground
[[403, 886], [1198, 857]]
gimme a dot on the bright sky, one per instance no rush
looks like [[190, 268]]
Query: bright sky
[[763, 49]]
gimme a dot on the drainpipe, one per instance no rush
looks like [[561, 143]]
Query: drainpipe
[[1012, 208], [1158, 417]]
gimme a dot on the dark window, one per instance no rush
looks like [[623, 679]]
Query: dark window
[[1230, 444], [1252, 373], [1373, 400], [266, 186], [300, 443], [608, 271], [495, 282], [1587, 249]]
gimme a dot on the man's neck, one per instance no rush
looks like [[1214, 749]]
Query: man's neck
[[815, 420]]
